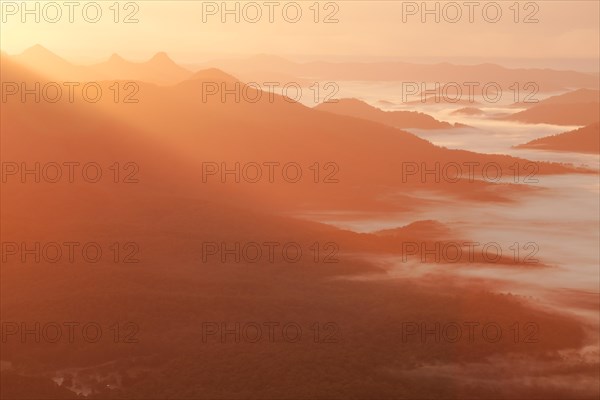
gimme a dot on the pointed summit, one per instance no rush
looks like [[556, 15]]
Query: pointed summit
[[38, 56], [36, 49], [161, 58], [116, 58], [39, 52], [42, 61], [160, 69]]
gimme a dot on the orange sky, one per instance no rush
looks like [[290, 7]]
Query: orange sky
[[565, 29]]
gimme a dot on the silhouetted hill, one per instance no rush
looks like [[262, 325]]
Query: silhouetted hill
[[559, 114], [170, 212], [398, 119], [468, 111], [582, 140], [160, 69], [579, 96]]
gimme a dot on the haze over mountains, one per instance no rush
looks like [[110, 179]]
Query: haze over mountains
[[582, 140], [572, 97], [468, 111], [275, 130], [160, 69], [579, 107], [546, 79], [397, 119], [353, 160]]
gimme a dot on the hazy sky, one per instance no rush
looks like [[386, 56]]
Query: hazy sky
[[564, 29]]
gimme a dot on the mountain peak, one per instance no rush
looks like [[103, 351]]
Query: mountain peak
[[39, 55], [38, 50], [161, 57], [115, 57]]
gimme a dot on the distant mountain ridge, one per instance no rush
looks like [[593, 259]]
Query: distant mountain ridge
[[579, 107], [160, 69], [397, 119], [582, 140], [545, 79]]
